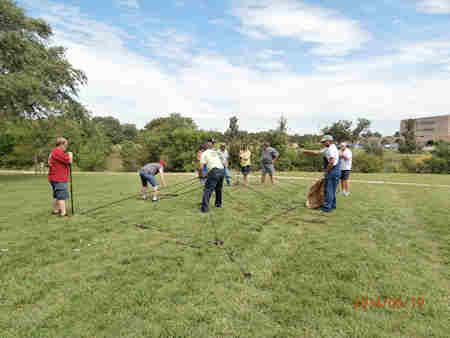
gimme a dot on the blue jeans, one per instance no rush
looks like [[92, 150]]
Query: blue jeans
[[214, 182], [145, 178], [204, 173], [227, 176], [331, 184]]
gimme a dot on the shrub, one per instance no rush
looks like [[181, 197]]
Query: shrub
[[440, 161], [373, 146], [409, 164], [438, 165], [367, 163], [130, 155]]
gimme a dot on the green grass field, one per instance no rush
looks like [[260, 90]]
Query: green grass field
[[277, 274]]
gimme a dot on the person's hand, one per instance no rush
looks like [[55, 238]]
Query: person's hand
[[70, 156]]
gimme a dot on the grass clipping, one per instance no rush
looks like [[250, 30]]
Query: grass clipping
[[316, 195]]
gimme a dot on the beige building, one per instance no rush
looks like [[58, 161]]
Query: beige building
[[430, 128]]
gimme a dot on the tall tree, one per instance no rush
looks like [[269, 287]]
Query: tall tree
[[409, 144], [341, 130], [36, 79], [362, 126], [129, 131], [282, 124], [172, 122], [233, 129], [112, 127]]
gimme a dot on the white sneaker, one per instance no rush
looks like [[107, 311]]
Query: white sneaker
[[346, 193], [144, 197]]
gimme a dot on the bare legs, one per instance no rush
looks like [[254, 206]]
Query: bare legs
[[263, 179], [246, 179], [155, 193]]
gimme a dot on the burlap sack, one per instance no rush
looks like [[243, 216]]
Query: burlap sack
[[316, 195]]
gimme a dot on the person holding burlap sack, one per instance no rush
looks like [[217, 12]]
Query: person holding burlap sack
[[330, 182]]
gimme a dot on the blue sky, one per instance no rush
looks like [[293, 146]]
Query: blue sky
[[314, 62]]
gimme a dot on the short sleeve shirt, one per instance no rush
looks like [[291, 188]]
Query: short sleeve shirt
[[152, 168], [269, 154], [211, 159], [224, 157], [331, 152], [346, 164], [245, 158]]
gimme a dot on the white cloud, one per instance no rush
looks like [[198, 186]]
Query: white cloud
[[132, 4], [171, 44], [268, 54], [434, 6], [331, 33]]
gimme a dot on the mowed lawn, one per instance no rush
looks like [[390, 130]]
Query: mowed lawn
[[256, 268]]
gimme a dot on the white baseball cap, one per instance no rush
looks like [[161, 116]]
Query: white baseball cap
[[326, 138]]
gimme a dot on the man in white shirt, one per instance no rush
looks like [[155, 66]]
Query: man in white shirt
[[345, 164], [224, 156], [214, 180], [332, 171]]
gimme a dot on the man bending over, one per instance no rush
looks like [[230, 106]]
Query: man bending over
[[147, 174]]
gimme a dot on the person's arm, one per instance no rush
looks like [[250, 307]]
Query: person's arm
[[62, 157], [331, 162], [163, 178], [275, 156]]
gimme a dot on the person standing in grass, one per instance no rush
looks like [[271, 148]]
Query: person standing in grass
[[345, 164], [58, 175], [147, 174], [214, 180], [269, 156], [245, 161], [224, 156], [332, 171]]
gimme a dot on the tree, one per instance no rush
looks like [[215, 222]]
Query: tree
[[369, 134], [172, 122], [129, 131], [112, 128], [362, 126], [233, 129], [341, 130], [282, 125], [36, 78], [409, 144]]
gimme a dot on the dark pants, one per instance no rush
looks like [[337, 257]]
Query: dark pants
[[214, 182], [331, 184]]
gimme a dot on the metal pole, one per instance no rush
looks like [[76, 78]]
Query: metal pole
[[71, 188]]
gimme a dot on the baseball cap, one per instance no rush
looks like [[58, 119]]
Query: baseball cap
[[326, 138], [343, 144]]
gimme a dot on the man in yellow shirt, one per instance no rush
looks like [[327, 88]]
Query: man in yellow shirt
[[214, 180], [245, 161]]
